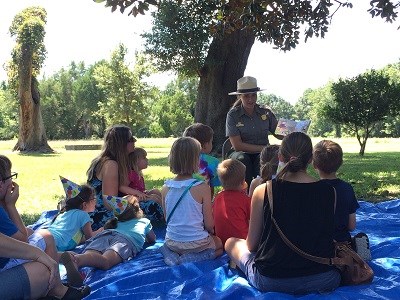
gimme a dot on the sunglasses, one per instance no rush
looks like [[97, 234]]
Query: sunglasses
[[11, 176], [131, 139]]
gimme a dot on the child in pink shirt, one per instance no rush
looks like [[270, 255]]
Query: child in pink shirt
[[136, 186]]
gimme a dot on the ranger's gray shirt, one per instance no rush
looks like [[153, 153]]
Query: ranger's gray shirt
[[252, 129]]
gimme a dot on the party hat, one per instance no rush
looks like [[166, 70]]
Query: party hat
[[118, 204], [71, 189]]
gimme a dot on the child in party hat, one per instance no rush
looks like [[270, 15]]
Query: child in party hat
[[123, 237], [72, 225]]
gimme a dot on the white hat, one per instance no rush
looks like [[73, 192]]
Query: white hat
[[246, 85]]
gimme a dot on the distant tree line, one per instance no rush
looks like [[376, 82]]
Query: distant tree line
[[81, 101]]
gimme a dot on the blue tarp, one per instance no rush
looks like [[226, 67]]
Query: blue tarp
[[147, 277]]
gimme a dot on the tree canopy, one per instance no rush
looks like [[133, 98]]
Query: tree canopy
[[363, 101], [213, 39], [124, 89], [275, 21]]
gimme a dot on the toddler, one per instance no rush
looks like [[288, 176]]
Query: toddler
[[136, 187], [231, 208], [149, 200]]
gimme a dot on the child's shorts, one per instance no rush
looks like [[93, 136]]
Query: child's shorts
[[112, 240], [189, 247], [34, 239]]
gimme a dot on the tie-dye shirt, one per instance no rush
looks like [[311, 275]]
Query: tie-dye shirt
[[208, 170]]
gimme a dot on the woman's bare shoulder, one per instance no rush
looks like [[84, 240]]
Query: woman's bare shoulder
[[259, 191], [108, 166]]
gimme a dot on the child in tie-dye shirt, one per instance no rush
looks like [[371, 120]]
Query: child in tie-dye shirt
[[208, 164]]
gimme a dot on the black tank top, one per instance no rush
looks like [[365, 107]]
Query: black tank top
[[305, 214]]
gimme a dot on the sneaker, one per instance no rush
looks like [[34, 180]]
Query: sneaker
[[361, 242]]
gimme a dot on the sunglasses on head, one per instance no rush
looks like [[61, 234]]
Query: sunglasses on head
[[11, 176]]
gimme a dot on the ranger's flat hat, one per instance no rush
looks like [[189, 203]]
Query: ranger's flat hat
[[246, 85]]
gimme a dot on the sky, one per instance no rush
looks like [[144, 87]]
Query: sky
[[81, 30]]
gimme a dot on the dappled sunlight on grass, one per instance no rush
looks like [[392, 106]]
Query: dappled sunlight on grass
[[374, 177], [369, 180]]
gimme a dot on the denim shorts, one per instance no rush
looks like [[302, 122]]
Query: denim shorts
[[14, 284], [316, 283], [112, 240]]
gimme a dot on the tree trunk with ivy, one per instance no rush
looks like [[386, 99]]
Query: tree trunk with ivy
[[32, 134], [28, 56], [225, 64]]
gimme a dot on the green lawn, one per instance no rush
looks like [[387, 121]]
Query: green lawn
[[375, 176]]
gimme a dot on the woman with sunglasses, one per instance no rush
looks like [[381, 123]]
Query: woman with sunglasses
[[108, 171]]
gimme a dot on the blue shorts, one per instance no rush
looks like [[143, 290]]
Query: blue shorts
[[14, 284], [316, 283]]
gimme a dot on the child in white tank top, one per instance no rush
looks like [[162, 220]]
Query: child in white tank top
[[188, 210]]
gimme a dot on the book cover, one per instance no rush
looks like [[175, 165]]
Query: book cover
[[286, 126]]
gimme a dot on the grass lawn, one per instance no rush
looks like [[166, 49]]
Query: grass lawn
[[375, 176]]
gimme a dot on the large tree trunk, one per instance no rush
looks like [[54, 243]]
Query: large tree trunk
[[225, 64], [32, 135]]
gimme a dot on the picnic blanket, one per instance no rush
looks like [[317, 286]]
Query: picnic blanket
[[147, 277]]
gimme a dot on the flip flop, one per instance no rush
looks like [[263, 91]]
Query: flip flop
[[76, 293], [74, 278], [71, 294]]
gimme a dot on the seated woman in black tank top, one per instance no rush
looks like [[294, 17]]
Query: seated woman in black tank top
[[304, 210]]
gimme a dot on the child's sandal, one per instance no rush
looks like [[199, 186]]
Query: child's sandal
[[76, 293]]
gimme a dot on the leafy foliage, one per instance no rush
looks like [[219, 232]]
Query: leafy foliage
[[28, 28], [279, 22], [179, 39], [174, 109], [361, 102], [124, 89], [70, 100], [8, 114], [311, 106], [280, 107]]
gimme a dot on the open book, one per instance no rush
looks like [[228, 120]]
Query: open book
[[286, 126]]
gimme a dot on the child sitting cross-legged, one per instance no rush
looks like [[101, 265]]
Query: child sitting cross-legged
[[188, 209], [72, 226], [123, 237], [231, 208]]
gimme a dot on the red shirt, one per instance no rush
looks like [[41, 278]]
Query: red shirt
[[231, 210]]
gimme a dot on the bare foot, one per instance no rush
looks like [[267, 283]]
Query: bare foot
[[74, 278]]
